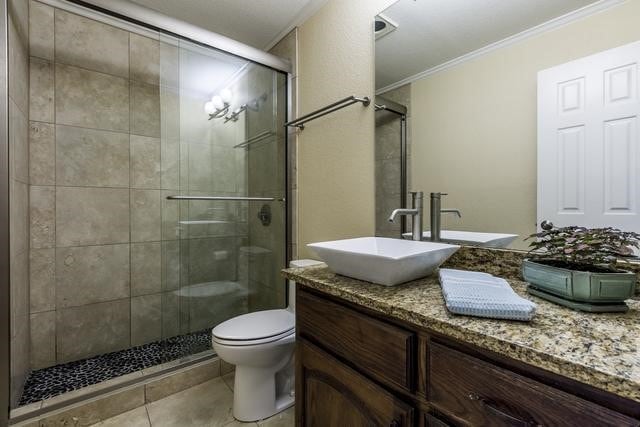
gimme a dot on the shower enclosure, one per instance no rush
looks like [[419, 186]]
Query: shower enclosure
[[391, 161], [158, 189]]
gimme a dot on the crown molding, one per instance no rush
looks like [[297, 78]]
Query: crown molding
[[552, 24]]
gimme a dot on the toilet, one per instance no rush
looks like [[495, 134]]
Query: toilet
[[261, 346]]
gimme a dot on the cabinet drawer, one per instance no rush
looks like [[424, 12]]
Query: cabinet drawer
[[382, 350], [482, 394]]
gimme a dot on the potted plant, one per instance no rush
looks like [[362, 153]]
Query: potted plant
[[579, 267]]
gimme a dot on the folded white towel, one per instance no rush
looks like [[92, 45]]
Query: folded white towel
[[481, 294]]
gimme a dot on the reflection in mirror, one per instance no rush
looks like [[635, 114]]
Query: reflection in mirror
[[521, 111]]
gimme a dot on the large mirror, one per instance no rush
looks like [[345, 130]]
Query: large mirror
[[519, 110]]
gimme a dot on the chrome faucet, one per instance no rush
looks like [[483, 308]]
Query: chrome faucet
[[436, 211], [415, 212]]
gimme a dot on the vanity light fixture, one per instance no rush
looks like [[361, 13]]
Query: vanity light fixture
[[218, 106]]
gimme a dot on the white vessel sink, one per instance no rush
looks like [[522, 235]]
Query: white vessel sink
[[382, 260], [471, 238]]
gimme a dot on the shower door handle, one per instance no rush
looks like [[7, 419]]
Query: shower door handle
[[226, 198]]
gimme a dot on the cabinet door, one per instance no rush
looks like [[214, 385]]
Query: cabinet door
[[332, 394]]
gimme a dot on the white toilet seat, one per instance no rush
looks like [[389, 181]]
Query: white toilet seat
[[259, 327], [241, 343]]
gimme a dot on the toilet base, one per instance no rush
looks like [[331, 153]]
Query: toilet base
[[254, 395]]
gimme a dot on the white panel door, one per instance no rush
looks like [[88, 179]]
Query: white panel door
[[589, 141]]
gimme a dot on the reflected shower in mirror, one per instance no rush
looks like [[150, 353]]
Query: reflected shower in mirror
[[521, 111]]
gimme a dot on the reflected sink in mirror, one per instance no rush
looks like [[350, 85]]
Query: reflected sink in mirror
[[382, 260], [471, 238]]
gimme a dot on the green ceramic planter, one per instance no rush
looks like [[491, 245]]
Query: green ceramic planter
[[580, 290]]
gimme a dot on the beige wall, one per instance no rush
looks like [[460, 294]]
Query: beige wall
[[336, 153], [476, 133]]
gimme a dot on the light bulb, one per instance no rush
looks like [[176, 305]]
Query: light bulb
[[226, 95], [217, 103], [209, 108]]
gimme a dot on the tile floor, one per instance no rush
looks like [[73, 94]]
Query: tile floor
[[207, 404]]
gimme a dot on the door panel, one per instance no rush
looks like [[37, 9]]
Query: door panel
[[335, 395], [588, 142]]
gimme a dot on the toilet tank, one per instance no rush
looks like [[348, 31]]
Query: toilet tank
[[298, 263]]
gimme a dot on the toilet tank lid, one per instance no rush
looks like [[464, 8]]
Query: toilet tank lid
[[257, 325], [299, 263]]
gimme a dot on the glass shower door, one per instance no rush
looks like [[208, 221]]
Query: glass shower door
[[224, 235]]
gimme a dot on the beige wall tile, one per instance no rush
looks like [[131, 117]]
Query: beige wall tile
[[90, 44], [169, 62], [146, 268], [171, 216], [207, 312], [42, 154], [43, 339], [92, 329], [18, 61], [170, 112], [203, 267], [91, 274], [97, 410], [20, 359], [145, 59], [91, 99], [42, 285], [42, 211], [19, 289], [91, 216], [200, 171], [187, 378], [145, 109], [170, 314], [40, 30], [170, 164], [88, 157], [41, 90], [145, 215], [145, 162], [146, 317], [19, 143], [170, 265]]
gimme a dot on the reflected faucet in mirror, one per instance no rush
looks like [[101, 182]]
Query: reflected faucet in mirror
[[436, 215]]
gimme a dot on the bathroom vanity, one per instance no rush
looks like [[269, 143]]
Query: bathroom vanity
[[394, 356]]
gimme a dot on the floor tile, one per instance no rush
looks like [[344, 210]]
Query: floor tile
[[207, 404], [135, 418], [283, 419]]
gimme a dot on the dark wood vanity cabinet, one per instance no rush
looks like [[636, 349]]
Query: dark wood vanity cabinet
[[356, 368]]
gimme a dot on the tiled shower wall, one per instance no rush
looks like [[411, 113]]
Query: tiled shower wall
[[387, 173], [97, 172], [18, 36]]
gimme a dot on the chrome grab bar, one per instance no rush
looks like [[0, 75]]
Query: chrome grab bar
[[349, 100], [226, 198]]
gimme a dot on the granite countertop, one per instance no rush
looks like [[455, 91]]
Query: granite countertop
[[597, 349]]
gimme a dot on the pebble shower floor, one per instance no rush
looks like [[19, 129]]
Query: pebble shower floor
[[55, 380]]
